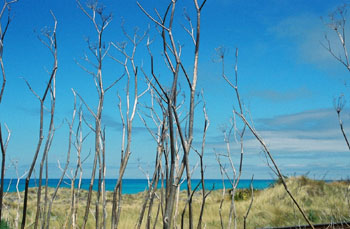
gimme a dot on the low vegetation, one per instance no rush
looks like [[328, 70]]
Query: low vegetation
[[323, 203]]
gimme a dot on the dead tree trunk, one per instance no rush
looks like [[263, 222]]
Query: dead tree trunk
[[172, 55], [99, 53], [53, 48], [3, 153], [5, 7], [71, 124], [50, 86], [127, 117], [159, 137], [201, 155]]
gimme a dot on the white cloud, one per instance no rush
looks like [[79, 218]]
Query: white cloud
[[310, 131], [294, 144], [282, 96], [320, 118], [306, 33], [301, 143]]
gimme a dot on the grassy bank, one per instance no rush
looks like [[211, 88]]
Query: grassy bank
[[322, 202]]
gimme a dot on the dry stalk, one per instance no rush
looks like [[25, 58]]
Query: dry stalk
[[52, 45], [241, 115], [337, 21], [127, 117], [172, 55], [6, 7], [250, 204], [339, 106], [160, 138], [201, 155], [99, 52]]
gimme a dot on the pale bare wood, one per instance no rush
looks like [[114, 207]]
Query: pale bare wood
[[250, 204], [250, 127], [49, 87], [6, 6], [127, 118], [172, 54], [99, 53]]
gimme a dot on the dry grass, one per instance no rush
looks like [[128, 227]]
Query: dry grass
[[322, 202]]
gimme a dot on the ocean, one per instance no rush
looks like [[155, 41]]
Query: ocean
[[132, 186]]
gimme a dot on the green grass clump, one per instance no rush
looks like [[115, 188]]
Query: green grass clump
[[322, 202], [4, 225]]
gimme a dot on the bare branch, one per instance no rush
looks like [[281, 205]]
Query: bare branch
[[86, 105], [337, 23], [52, 88], [2, 35], [260, 140], [31, 89], [339, 105], [114, 83], [150, 17], [250, 204]]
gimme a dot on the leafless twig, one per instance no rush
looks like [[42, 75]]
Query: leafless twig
[[249, 126], [49, 87], [250, 204]]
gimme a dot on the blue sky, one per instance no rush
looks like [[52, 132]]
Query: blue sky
[[287, 81]]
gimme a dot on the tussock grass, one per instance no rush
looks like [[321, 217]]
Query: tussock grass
[[323, 203]]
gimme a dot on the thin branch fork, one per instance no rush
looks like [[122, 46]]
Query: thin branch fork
[[259, 139], [50, 86], [330, 50], [338, 26], [48, 142], [86, 105], [64, 170], [98, 79], [339, 105], [204, 194], [161, 24], [99, 10], [187, 136], [6, 5], [2, 35], [127, 119], [276, 167], [192, 97]]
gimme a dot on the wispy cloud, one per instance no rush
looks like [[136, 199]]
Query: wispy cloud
[[281, 96], [308, 132], [313, 131], [306, 33], [301, 143], [308, 120]]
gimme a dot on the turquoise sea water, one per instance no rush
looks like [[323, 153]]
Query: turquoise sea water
[[132, 186]]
